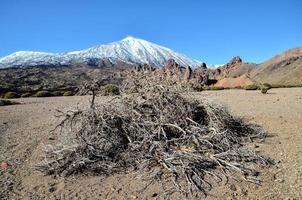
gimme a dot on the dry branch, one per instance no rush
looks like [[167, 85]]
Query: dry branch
[[161, 133]]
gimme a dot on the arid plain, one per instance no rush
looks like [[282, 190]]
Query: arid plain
[[25, 130]]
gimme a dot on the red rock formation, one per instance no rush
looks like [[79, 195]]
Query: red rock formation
[[241, 81]]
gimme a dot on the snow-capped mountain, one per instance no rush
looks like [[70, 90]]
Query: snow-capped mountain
[[130, 50], [30, 58]]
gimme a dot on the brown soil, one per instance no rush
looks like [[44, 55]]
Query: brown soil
[[25, 129], [234, 82], [283, 69]]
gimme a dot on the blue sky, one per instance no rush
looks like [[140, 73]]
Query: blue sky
[[213, 31]]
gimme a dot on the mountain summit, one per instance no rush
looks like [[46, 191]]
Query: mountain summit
[[130, 50]]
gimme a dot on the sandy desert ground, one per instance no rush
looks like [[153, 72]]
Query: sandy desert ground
[[25, 129]]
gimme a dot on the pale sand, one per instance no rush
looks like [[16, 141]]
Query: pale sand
[[24, 129]]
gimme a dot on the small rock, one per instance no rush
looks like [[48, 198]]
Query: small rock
[[244, 192], [188, 74], [52, 189], [154, 195], [51, 138], [280, 180], [235, 194], [4, 166], [233, 187]]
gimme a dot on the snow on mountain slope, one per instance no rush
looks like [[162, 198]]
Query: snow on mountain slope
[[129, 50], [134, 50], [29, 58]]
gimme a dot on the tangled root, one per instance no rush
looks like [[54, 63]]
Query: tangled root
[[161, 133]]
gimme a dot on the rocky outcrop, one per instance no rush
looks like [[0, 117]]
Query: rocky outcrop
[[236, 60], [204, 66], [234, 68], [171, 63], [143, 67], [238, 82], [172, 68], [232, 65], [188, 74], [200, 74]]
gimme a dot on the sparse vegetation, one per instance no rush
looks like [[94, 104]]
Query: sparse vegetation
[[212, 87], [68, 93], [11, 95], [43, 93], [238, 87], [27, 94], [110, 89], [265, 87], [264, 90], [216, 88], [285, 86], [56, 93], [197, 87], [251, 87]]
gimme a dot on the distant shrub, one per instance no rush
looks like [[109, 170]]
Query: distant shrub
[[27, 94], [284, 86], [43, 93], [11, 95], [206, 87], [213, 88], [267, 85], [216, 88], [197, 87], [251, 87], [264, 90], [110, 89], [277, 86], [7, 102], [57, 93], [68, 93]]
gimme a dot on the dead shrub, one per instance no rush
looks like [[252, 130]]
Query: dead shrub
[[158, 133], [144, 82]]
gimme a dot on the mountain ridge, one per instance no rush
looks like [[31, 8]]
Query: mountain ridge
[[284, 69], [130, 50]]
